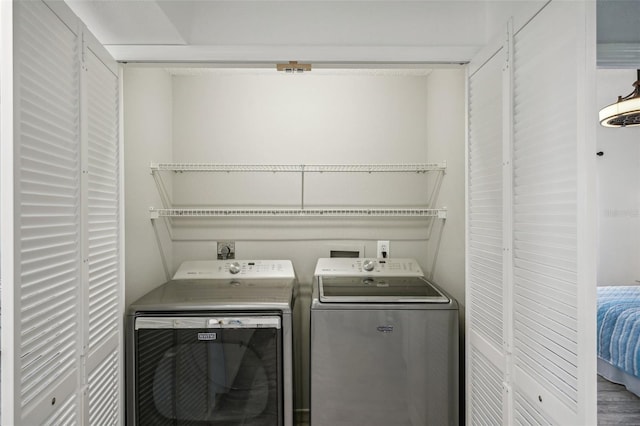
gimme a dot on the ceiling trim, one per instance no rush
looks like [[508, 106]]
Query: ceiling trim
[[313, 54], [380, 71], [619, 55]]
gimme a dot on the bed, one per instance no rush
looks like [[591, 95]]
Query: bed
[[619, 335]]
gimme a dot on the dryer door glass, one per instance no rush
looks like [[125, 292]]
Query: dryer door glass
[[208, 376]]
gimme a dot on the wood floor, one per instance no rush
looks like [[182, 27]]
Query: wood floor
[[616, 405]]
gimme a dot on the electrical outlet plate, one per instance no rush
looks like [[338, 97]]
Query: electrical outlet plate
[[383, 249], [226, 250]]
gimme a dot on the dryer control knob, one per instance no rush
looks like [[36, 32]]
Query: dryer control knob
[[368, 265], [234, 268]]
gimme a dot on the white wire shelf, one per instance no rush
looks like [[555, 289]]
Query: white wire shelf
[[316, 168], [186, 213]]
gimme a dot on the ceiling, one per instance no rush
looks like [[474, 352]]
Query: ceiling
[[441, 31], [618, 33], [347, 31], [618, 21]]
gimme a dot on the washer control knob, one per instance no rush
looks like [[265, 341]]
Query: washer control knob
[[368, 265], [234, 268]]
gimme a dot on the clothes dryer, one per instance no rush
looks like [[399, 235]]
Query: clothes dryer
[[384, 345], [213, 346]]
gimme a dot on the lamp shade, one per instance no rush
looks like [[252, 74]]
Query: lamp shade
[[625, 112]]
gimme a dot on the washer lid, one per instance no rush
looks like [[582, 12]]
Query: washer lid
[[379, 289]]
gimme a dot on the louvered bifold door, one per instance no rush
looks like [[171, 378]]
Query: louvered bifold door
[[486, 361], [102, 236], [554, 333], [531, 227], [46, 250], [62, 362]]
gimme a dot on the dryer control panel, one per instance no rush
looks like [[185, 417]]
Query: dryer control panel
[[220, 269], [358, 267]]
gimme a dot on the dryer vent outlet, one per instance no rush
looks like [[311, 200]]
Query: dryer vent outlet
[[226, 250]]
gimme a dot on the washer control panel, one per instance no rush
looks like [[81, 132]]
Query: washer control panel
[[220, 269], [350, 267]]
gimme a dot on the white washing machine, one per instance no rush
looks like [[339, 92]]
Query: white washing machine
[[384, 345], [213, 346]]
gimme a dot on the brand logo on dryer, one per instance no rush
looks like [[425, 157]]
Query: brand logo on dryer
[[207, 336], [385, 328]]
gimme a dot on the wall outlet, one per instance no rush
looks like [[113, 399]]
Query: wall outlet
[[226, 250], [383, 250]]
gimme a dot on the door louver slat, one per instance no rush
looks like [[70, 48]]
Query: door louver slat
[[103, 392]]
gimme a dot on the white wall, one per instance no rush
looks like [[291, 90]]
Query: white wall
[[618, 188], [445, 258], [317, 118], [147, 137], [446, 247], [300, 119]]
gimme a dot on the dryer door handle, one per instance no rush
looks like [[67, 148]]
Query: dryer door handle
[[208, 322], [244, 322]]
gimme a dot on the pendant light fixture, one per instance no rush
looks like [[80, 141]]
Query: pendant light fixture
[[625, 112]]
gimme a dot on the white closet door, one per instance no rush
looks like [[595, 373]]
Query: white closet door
[[553, 226], [62, 362], [47, 247], [102, 236], [485, 334], [531, 228]]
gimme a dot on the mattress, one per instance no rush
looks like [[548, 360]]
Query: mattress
[[619, 329]]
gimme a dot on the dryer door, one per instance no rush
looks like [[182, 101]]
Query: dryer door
[[214, 370]]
